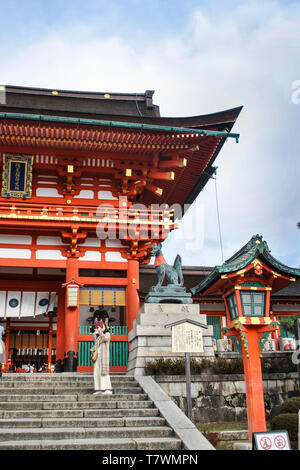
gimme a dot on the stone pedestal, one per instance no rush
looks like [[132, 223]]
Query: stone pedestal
[[150, 340], [169, 294]]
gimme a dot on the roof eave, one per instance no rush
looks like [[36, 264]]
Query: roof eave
[[259, 253]]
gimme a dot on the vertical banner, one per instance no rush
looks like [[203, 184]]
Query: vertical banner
[[42, 303], [17, 176], [2, 303], [52, 302], [28, 304], [13, 304]]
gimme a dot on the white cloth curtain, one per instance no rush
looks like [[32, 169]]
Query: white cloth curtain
[[17, 304], [42, 303], [13, 304], [28, 304]]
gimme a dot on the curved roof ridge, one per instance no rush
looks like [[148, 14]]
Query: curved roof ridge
[[256, 247]]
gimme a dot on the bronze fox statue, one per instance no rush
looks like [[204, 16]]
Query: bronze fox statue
[[173, 274]]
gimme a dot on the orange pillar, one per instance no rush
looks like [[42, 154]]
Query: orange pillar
[[254, 384], [50, 346], [133, 301], [60, 331], [71, 321]]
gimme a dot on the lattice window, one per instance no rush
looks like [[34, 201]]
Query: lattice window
[[253, 303], [231, 301]]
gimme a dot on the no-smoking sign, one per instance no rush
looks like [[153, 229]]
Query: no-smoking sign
[[273, 440]]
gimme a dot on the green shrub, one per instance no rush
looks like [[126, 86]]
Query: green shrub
[[219, 365], [163, 366], [277, 365], [288, 421], [225, 366], [292, 405]]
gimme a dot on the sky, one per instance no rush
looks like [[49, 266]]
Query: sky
[[200, 57]]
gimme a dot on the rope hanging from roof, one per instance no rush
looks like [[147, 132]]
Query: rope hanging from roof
[[218, 216]]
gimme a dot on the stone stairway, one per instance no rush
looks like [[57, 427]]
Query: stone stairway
[[59, 412]]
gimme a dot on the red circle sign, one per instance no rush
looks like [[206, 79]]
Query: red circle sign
[[265, 443], [280, 442]]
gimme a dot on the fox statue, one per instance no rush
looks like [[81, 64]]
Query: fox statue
[[173, 274]]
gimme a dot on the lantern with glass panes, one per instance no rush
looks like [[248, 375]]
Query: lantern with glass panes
[[247, 304], [248, 299], [246, 281]]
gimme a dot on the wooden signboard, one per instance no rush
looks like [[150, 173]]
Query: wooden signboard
[[187, 338], [271, 440]]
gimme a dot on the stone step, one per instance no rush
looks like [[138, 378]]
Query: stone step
[[161, 443], [76, 422], [80, 413], [20, 434], [72, 397], [60, 377], [68, 405], [60, 412], [62, 390], [57, 384]]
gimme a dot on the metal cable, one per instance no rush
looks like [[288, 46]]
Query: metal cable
[[219, 223]]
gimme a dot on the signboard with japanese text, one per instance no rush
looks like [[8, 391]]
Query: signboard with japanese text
[[17, 176], [187, 338]]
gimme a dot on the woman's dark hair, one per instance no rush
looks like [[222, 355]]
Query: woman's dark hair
[[101, 315]]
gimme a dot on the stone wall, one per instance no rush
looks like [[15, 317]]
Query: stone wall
[[222, 397]]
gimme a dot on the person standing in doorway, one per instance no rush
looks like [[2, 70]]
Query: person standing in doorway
[[2, 349], [102, 383]]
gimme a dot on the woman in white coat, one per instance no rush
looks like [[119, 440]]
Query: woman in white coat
[[102, 383]]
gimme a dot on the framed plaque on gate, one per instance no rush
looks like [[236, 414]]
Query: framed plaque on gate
[[17, 176]]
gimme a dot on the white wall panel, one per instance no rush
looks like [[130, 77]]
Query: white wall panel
[[47, 192], [15, 253], [49, 241], [85, 194], [113, 244], [95, 242], [49, 254], [16, 239], [114, 256], [91, 256], [107, 195]]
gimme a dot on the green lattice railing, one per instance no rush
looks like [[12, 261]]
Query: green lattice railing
[[114, 330], [118, 349]]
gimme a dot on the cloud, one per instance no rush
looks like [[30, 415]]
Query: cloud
[[221, 58]]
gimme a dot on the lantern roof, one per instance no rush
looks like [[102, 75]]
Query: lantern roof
[[255, 249]]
